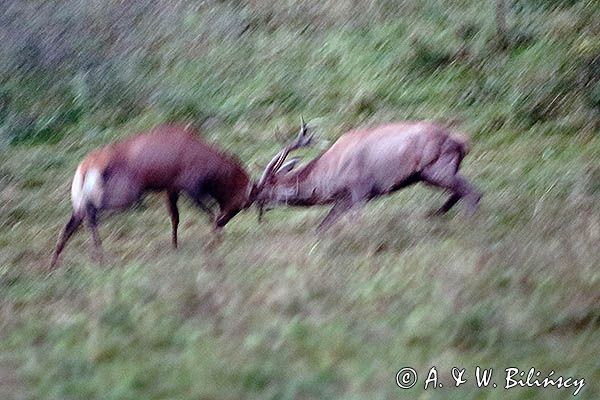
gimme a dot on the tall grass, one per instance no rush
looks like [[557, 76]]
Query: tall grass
[[274, 311]]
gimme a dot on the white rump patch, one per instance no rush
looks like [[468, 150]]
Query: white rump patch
[[86, 189], [76, 190]]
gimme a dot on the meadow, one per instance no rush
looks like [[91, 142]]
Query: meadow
[[276, 311]]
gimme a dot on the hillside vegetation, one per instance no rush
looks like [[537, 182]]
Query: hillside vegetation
[[275, 311]]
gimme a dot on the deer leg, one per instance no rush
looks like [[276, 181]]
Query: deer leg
[[223, 218], [452, 200], [198, 200], [339, 208], [471, 195], [205, 208], [174, 212], [66, 234], [457, 185], [216, 238], [92, 220]]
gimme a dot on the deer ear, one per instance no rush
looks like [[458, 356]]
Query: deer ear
[[288, 165]]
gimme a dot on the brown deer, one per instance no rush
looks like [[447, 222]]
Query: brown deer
[[169, 158], [366, 163]]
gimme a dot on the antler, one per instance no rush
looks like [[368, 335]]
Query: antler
[[303, 140]]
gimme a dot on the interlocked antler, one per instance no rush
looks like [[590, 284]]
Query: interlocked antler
[[303, 140]]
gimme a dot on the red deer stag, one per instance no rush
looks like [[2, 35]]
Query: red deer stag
[[169, 158], [367, 163]]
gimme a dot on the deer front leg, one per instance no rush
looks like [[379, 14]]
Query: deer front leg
[[341, 206], [200, 203], [217, 231], [206, 209]]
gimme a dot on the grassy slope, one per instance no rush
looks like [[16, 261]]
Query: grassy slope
[[276, 312]]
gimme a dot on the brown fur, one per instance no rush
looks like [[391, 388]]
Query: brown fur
[[366, 163], [169, 158]]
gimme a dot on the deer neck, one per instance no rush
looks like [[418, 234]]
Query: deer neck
[[296, 189]]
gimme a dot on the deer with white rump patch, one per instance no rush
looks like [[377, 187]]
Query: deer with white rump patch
[[169, 158], [366, 163]]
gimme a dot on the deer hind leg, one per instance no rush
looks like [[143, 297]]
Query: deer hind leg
[[70, 228], [445, 176], [174, 212], [92, 220], [471, 195], [448, 204]]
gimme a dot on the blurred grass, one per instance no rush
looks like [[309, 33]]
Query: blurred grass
[[276, 312]]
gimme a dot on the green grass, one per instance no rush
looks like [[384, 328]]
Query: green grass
[[275, 311]]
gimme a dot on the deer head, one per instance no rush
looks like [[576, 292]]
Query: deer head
[[278, 166]]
